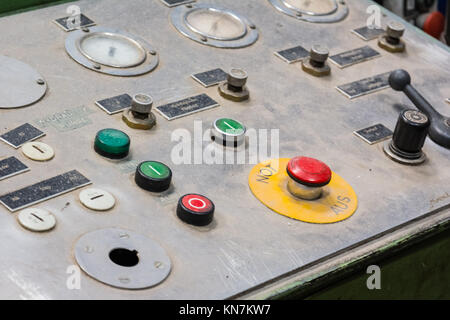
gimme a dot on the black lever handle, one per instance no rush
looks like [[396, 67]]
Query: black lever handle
[[400, 80]]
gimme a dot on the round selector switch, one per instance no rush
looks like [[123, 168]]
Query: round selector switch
[[307, 177], [153, 176], [112, 143], [409, 137], [228, 132], [195, 209]]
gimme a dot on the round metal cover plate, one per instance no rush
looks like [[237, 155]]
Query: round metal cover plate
[[107, 256], [214, 26], [20, 84], [111, 51], [318, 11]]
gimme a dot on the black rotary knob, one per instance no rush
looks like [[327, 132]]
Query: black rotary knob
[[153, 176], [195, 209], [409, 137], [411, 132]]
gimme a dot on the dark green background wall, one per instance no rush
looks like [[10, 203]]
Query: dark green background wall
[[10, 6]]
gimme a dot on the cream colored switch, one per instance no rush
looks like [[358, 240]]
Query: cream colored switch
[[96, 199], [37, 220], [38, 151]]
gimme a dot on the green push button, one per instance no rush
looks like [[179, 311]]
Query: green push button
[[230, 126], [228, 131], [153, 176], [112, 143], [155, 170]]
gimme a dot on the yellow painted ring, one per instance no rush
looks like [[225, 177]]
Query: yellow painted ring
[[268, 182]]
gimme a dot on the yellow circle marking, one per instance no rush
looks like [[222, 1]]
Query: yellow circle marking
[[268, 182]]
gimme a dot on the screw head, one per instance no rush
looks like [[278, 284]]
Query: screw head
[[319, 53]]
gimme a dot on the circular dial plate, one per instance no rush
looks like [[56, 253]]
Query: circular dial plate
[[316, 11], [215, 24], [112, 50], [268, 182], [20, 84], [313, 7]]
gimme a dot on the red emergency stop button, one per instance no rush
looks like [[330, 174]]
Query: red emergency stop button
[[309, 172], [195, 209]]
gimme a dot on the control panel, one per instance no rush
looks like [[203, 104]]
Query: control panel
[[205, 149]]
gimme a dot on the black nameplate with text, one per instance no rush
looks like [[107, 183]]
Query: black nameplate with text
[[44, 190], [210, 78], [349, 58], [115, 104], [83, 22], [187, 106], [365, 86], [374, 134], [367, 33], [21, 135], [173, 3], [293, 55], [10, 167]]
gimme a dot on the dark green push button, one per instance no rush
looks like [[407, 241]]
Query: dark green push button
[[112, 143], [153, 176]]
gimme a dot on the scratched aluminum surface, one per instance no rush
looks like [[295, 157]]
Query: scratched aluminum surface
[[248, 244]]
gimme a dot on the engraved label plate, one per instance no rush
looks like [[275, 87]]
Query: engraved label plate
[[374, 134], [292, 55], [173, 3], [115, 104], [10, 167], [21, 135], [367, 33], [187, 107], [210, 78], [44, 190], [365, 86], [84, 22], [354, 56]]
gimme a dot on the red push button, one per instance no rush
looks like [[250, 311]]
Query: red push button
[[309, 172], [195, 209]]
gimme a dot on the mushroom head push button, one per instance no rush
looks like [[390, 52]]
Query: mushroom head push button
[[228, 132], [391, 41], [153, 176], [316, 64], [409, 137], [234, 88], [304, 189], [139, 115], [307, 177], [112, 143], [195, 209]]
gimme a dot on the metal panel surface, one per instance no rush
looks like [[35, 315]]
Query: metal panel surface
[[248, 244]]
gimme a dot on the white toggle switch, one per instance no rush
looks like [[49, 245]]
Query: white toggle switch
[[97, 199], [37, 220], [38, 151]]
